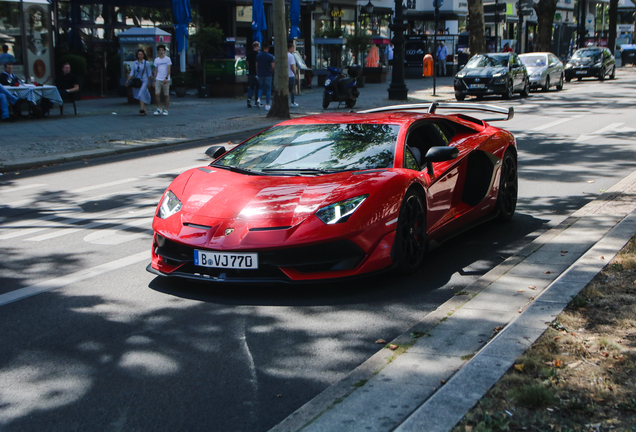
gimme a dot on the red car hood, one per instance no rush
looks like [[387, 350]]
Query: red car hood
[[213, 194]]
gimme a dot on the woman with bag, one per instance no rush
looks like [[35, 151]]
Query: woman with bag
[[140, 74]]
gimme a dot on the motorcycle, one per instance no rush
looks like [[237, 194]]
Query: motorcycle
[[341, 88]]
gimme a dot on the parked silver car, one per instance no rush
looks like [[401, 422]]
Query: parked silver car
[[544, 69]]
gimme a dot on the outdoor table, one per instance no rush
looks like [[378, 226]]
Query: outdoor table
[[34, 94]]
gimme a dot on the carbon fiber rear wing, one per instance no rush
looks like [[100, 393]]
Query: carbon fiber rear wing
[[432, 108]]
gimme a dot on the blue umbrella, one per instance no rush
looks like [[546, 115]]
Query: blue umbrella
[[182, 17], [258, 20], [294, 12]]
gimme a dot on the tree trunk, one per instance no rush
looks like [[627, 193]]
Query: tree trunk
[[280, 92], [476, 27], [613, 18], [545, 10]]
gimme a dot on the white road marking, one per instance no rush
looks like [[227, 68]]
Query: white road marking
[[23, 228], [7, 189], [96, 223], [81, 275], [554, 123], [118, 234], [610, 127]]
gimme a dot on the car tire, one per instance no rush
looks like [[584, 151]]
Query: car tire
[[613, 74], [546, 86], [560, 84], [568, 79], [460, 97], [526, 90], [409, 245], [601, 75], [579, 79], [508, 187], [509, 91], [350, 103]]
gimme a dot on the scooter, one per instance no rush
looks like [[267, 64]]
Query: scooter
[[341, 88]]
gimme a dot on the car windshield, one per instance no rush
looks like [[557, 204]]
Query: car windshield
[[533, 60], [488, 60], [593, 54], [315, 149]]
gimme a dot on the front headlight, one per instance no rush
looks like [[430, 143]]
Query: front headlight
[[497, 75], [460, 76], [327, 82], [340, 211], [536, 75], [169, 206], [568, 66]]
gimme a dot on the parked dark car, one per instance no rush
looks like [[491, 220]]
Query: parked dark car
[[595, 62], [491, 74]]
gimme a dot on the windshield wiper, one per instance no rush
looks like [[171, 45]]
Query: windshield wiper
[[298, 170], [237, 169]]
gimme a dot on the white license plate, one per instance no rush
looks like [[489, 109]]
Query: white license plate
[[477, 86], [581, 72], [230, 260]]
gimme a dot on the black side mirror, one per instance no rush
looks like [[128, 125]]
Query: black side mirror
[[439, 154], [215, 151]]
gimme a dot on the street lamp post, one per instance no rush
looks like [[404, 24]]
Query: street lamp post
[[397, 89]]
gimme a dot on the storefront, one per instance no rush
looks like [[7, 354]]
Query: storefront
[[26, 29]]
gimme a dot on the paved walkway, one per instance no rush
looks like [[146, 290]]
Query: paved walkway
[[106, 126]]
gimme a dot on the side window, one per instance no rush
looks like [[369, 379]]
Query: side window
[[409, 160]]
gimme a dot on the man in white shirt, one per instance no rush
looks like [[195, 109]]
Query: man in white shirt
[[162, 79], [442, 53], [291, 62]]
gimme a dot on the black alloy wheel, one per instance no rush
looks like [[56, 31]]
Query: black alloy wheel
[[613, 74], [350, 103], [546, 87], [460, 97], [409, 245], [601, 75], [508, 187], [509, 91], [560, 84]]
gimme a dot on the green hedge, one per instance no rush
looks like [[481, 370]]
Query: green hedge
[[78, 64]]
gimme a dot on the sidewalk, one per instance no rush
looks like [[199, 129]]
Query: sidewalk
[[106, 126]]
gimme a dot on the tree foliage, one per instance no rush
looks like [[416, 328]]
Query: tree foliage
[[208, 40]]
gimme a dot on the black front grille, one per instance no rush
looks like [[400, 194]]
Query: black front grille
[[469, 81], [333, 256]]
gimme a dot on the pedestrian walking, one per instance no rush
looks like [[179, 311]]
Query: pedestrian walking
[[162, 79], [442, 53], [265, 70], [291, 73], [252, 75], [140, 75], [388, 54]]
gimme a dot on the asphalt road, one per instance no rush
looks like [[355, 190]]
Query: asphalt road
[[91, 341]]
